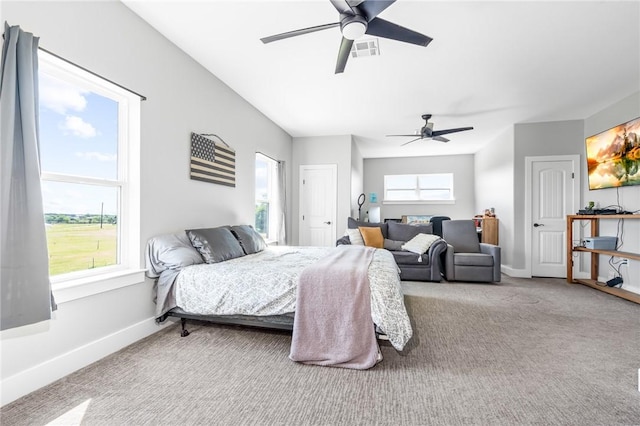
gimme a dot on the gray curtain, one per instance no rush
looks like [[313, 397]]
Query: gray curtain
[[282, 204], [25, 289]]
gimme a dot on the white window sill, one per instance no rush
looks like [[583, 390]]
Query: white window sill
[[405, 202], [88, 286]]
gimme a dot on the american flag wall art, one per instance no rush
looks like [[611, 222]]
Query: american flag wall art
[[212, 161]]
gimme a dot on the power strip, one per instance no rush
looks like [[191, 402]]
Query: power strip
[[614, 281]]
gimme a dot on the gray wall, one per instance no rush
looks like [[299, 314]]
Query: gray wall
[[323, 150], [462, 167], [107, 38], [538, 139], [357, 179], [500, 181], [494, 186]]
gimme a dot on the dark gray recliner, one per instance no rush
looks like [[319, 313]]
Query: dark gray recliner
[[467, 259]]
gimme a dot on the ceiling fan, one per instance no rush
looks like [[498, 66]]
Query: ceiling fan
[[427, 132], [358, 18]]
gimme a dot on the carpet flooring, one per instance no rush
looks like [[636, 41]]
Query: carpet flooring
[[521, 352]]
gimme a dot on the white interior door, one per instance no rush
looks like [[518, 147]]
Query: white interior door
[[318, 200], [555, 186]]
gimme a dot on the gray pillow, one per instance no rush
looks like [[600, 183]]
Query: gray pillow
[[215, 244], [405, 232], [170, 251], [393, 245], [249, 238], [355, 224]]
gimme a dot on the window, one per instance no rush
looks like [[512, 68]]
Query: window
[[418, 188], [89, 154], [266, 196]]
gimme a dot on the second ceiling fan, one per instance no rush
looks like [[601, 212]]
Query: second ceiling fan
[[358, 18], [427, 132]]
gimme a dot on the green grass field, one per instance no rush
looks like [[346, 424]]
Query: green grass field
[[76, 247]]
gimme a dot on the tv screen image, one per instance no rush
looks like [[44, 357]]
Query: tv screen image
[[613, 156]]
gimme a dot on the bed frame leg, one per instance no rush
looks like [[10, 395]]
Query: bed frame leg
[[184, 332]]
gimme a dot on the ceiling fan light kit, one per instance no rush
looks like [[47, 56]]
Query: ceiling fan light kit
[[353, 27], [356, 20]]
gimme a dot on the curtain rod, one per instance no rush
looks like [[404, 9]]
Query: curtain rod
[[142, 97], [270, 157]]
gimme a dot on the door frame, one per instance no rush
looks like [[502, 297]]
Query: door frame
[[528, 202], [334, 213]]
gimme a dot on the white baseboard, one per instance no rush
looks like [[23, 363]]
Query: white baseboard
[[18, 385], [516, 273]]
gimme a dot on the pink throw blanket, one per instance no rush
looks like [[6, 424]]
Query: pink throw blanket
[[332, 324]]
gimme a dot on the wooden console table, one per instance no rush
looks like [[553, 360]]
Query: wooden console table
[[595, 253]]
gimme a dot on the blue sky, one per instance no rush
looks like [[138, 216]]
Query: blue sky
[[78, 136]]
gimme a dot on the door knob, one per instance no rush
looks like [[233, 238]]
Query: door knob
[[535, 225], [327, 223]]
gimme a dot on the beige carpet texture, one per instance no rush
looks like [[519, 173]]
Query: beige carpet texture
[[520, 352]]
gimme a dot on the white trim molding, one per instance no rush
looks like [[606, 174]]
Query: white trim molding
[[20, 384], [516, 273]]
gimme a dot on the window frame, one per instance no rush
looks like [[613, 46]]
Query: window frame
[[272, 182], [127, 271], [417, 189]]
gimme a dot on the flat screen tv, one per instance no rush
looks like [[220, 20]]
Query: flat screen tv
[[613, 156]]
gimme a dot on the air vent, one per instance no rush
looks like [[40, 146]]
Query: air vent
[[365, 47]]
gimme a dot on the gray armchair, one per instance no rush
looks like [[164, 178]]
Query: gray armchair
[[466, 259]]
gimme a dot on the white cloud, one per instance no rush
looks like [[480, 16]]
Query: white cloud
[[78, 127], [78, 199], [59, 96], [100, 156]]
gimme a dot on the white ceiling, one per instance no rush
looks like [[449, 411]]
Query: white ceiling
[[490, 65]]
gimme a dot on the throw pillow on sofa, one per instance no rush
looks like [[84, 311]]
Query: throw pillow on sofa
[[420, 244], [372, 236], [393, 245], [355, 237]]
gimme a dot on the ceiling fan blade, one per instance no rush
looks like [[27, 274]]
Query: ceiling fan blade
[[440, 139], [447, 131], [372, 8], [299, 32], [342, 6], [406, 143], [381, 28], [343, 54]]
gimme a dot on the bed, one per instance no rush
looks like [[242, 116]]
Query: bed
[[254, 284]]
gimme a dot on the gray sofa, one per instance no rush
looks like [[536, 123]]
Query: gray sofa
[[413, 267]]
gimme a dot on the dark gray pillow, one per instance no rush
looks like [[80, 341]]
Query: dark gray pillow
[[405, 232], [249, 238], [393, 245], [355, 224], [215, 244]]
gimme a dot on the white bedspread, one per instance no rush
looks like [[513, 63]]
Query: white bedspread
[[265, 283]]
